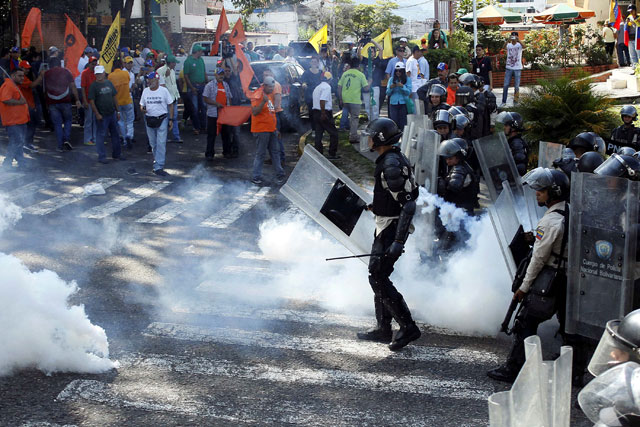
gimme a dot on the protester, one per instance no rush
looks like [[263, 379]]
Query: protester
[[398, 90], [374, 74], [196, 79], [608, 34], [322, 116], [350, 88], [632, 23], [282, 53], [14, 113], [623, 50], [417, 69], [290, 58], [452, 88], [514, 48], [26, 87], [60, 89], [155, 102], [103, 98], [436, 41], [237, 98], [406, 50], [82, 64], [167, 76], [436, 26], [277, 102], [5, 59], [217, 95], [310, 79], [90, 125], [481, 66], [391, 65], [120, 80], [250, 54]]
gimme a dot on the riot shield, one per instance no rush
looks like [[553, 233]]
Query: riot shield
[[534, 211], [540, 395], [406, 139], [426, 168], [505, 224], [332, 200], [497, 165], [427, 123], [548, 152], [602, 251]]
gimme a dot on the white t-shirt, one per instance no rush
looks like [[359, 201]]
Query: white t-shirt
[[82, 62], [514, 56], [156, 101], [132, 78], [169, 82], [322, 92], [419, 69]]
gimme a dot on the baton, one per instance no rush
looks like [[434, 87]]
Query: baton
[[351, 256]]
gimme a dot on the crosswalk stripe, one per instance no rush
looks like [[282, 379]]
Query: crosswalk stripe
[[256, 256], [123, 201], [252, 409], [171, 210], [9, 176], [362, 349], [379, 382], [36, 186], [47, 206], [230, 213]]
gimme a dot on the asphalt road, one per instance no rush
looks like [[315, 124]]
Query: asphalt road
[[165, 266]]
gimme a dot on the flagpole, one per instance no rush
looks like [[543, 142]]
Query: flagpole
[[475, 27]]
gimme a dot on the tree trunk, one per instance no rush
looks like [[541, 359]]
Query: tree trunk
[[147, 17]]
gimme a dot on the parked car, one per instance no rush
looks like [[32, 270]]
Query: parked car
[[210, 62], [303, 52]]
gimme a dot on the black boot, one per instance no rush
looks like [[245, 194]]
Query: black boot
[[409, 331], [504, 373], [382, 332]]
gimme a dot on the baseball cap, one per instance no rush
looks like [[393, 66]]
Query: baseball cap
[[399, 66], [150, 54], [88, 49], [442, 66], [171, 58], [270, 81], [15, 49], [152, 75], [197, 48], [462, 71], [92, 58], [128, 59], [98, 70], [327, 75], [219, 70], [24, 64], [403, 39], [631, 7], [148, 63]]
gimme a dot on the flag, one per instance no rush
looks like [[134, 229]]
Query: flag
[[158, 40], [615, 16], [383, 40], [110, 45], [237, 34], [626, 33], [319, 38], [223, 26], [74, 43], [33, 21], [233, 115], [246, 72]]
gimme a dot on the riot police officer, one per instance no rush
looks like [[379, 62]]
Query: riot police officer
[[585, 142], [620, 343], [460, 186], [625, 135], [437, 100], [443, 123], [589, 162], [547, 256], [394, 205], [513, 128], [626, 151], [620, 166]]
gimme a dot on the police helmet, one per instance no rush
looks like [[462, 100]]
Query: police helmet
[[383, 131], [464, 95], [457, 110], [442, 117], [589, 162], [626, 151], [438, 90], [637, 155], [588, 141], [620, 166], [477, 82], [629, 110], [461, 121], [512, 119], [553, 180], [453, 147], [466, 79], [620, 343]]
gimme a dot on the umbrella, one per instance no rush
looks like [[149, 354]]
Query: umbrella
[[563, 14], [492, 15]]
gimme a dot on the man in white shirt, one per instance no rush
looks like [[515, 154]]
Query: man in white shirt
[[155, 102], [513, 67], [82, 63], [406, 50], [323, 116], [418, 70], [167, 76]]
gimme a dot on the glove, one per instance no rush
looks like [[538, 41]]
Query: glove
[[395, 250], [442, 186]]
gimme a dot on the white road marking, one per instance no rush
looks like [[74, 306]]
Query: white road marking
[[227, 215], [171, 210], [253, 270], [9, 176], [378, 382], [368, 350], [36, 186], [123, 201], [47, 206], [256, 256]]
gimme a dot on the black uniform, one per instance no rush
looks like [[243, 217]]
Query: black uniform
[[624, 136], [566, 165], [520, 153], [460, 187], [424, 90]]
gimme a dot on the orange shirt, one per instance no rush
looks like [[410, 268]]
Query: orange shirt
[[221, 95], [12, 114], [86, 78], [27, 92], [277, 90], [451, 96], [266, 120], [120, 80]]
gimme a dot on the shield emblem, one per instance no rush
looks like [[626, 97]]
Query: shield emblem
[[604, 249]]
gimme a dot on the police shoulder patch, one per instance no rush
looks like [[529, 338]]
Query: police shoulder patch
[[539, 233]]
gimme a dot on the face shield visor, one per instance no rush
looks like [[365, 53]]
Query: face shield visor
[[612, 350]]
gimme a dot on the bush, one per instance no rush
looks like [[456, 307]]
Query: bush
[[493, 40], [454, 58], [539, 43]]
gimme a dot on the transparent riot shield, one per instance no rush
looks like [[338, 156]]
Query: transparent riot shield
[[427, 122], [602, 251], [364, 142], [540, 395], [534, 211], [406, 139], [548, 152], [426, 168], [505, 224], [332, 200], [497, 164]]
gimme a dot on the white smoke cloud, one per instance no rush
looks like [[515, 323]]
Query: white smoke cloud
[[40, 329]]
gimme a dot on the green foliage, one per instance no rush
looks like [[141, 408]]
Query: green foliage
[[375, 18], [305, 33], [466, 6], [557, 110], [461, 40], [492, 39], [538, 43], [246, 7], [453, 57]]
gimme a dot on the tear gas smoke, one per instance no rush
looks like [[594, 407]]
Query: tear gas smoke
[[40, 330]]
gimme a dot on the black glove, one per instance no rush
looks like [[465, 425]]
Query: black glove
[[442, 186], [395, 250]]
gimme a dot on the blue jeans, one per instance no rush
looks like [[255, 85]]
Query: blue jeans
[[344, 118], [17, 135], [199, 117], [175, 130], [633, 53], [398, 113], [127, 115], [90, 126], [61, 117], [266, 141], [108, 123], [623, 54], [508, 74], [158, 142]]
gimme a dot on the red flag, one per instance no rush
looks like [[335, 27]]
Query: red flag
[[74, 43], [246, 72], [237, 34], [223, 26], [233, 115], [34, 20]]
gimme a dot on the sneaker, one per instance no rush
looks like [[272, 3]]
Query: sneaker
[[257, 181], [281, 181], [68, 145], [91, 143], [60, 150], [30, 148], [333, 157], [161, 172], [503, 373]]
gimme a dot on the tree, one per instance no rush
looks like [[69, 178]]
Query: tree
[[466, 6], [246, 7]]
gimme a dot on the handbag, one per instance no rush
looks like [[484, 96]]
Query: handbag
[[155, 121], [411, 108]]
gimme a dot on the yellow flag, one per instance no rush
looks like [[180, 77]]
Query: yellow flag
[[319, 38], [110, 45], [383, 40]]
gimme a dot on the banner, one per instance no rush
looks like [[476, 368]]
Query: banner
[[246, 72], [319, 38], [223, 26], [74, 43], [384, 40], [237, 34], [33, 21], [615, 16], [110, 45], [158, 40]]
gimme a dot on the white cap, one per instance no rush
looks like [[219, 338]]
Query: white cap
[[400, 66], [268, 80], [53, 49], [98, 70], [403, 39]]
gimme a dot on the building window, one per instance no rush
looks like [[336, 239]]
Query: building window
[[195, 7]]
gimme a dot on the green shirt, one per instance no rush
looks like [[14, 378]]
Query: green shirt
[[194, 69], [102, 94], [352, 82]]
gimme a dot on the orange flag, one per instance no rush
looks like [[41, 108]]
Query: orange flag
[[74, 43], [237, 34], [246, 72], [223, 26], [233, 115], [34, 20]]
